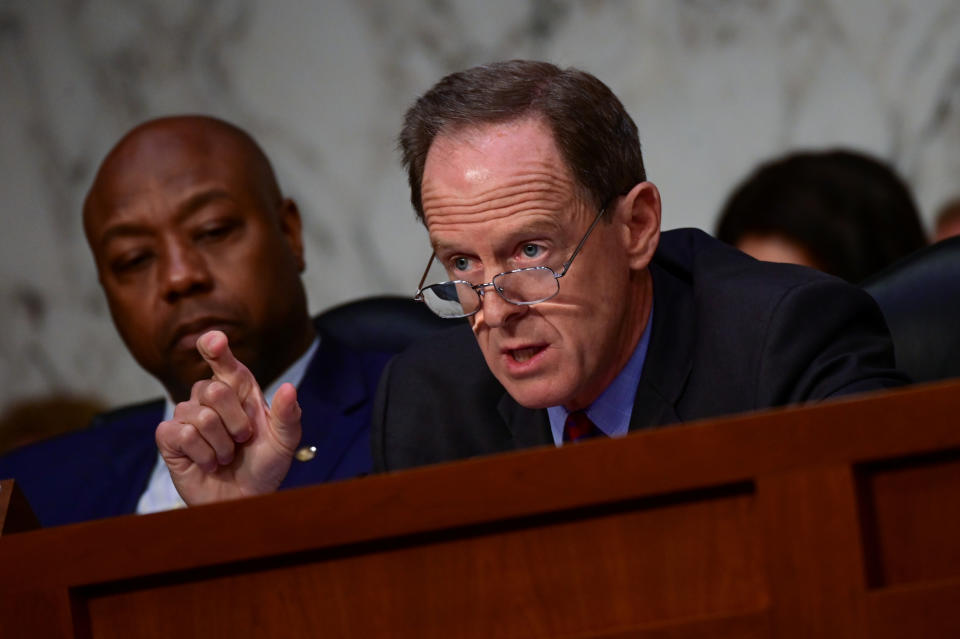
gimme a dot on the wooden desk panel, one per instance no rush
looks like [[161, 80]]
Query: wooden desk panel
[[626, 565], [766, 525], [911, 510]]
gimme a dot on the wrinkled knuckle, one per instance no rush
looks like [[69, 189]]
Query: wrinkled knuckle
[[182, 410], [198, 388], [204, 457], [188, 435], [208, 421], [216, 392], [193, 446], [166, 430]]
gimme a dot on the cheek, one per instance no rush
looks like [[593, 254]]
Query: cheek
[[575, 343], [483, 341], [130, 308], [138, 330], [574, 331], [272, 261], [260, 285], [240, 268]]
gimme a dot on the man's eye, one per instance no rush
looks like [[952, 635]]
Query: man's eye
[[461, 264], [531, 251], [131, 262], [214, 232]]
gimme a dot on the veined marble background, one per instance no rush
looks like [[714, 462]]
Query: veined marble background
[[714, 86]]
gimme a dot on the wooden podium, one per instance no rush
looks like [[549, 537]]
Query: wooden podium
[[838, 520]]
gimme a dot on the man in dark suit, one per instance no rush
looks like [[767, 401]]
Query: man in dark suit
[[190, 232], [530, 182], [729, 335]]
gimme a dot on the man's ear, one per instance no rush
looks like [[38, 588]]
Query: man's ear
[[292, 229], [639, 214]]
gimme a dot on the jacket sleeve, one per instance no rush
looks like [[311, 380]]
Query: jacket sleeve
[[825, 338]]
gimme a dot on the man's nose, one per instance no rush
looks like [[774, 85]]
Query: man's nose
[[183, 272], [496, 311]]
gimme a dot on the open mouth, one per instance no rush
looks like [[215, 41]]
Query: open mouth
[[521, 355]]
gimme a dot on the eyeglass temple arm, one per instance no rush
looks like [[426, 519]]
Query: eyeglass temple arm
[[423, 278], [583, 240]]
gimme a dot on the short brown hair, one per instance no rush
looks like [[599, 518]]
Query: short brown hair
[[595, 135]]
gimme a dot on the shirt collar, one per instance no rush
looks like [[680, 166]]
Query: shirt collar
[[611, 411]]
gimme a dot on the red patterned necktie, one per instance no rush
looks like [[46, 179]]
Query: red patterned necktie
[[579, 427]]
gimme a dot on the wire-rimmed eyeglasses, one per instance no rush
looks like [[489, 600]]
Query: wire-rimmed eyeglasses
[[522, 286]]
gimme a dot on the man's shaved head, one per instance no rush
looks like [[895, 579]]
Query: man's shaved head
[[190, 232], [154, 138]]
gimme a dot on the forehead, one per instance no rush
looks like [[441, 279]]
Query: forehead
[[493, 172], [160, 170]]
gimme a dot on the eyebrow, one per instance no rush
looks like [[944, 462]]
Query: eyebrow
[[540, 226], [187, 208], [199, 200], [123, 229]]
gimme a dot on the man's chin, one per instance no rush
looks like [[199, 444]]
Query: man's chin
[[189, 370], [535, 394]]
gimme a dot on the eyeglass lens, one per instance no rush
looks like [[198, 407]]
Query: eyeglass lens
[[527, 286], [457, 299]]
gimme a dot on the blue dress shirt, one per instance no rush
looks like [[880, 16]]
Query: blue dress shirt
[[612, 410]]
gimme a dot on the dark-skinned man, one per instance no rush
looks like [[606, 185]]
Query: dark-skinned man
[[584, 319], [190, 232]]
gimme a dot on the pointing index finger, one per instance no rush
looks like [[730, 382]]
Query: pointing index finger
[[214, 348]]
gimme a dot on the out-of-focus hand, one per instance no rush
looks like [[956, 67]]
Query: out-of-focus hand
[[225, 442]]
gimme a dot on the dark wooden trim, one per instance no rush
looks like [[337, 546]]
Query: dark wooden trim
[[775, 499]]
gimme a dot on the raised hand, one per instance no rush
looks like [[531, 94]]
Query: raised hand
[[225, 442]]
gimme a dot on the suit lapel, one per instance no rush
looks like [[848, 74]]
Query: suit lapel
[[331, 389], [132, 457], [528, 427], [669, 355]]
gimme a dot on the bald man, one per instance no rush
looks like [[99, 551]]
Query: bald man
[[190, 233]]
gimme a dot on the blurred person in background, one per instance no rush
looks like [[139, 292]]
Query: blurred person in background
[[842, 212], [947, 222]]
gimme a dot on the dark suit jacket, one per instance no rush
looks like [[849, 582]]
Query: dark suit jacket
[[730, 334], [102, 471]]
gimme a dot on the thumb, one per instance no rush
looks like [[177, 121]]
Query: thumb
[[215, 350], [285, 416]]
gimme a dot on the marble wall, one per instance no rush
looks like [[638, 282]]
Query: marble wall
[[715, 86]]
